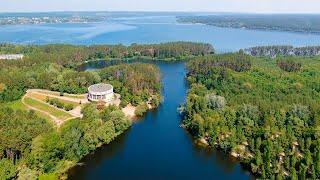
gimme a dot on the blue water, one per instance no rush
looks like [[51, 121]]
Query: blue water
[[128, 28], [156, 147]]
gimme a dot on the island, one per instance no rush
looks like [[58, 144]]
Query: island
[[301, 23]]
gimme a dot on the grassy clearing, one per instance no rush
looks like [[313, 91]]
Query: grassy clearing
[[18, 105], [43, 97], [45, 107], [54, 93]]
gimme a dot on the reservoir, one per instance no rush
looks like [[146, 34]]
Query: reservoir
[[147, 28], [156, 147]]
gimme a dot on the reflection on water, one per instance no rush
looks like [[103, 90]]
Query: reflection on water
[[128, 28], [93, 160], [156, 147]]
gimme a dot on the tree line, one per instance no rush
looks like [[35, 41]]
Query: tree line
[[73, 55], [273, 51], [30, 148], [265, 115]]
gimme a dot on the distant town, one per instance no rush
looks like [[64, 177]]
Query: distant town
[[15, 20]]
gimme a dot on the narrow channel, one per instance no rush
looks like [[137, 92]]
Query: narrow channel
[[156, 147]]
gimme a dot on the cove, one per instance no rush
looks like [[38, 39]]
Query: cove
[[156, 147]]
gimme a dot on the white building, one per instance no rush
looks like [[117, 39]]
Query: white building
[[11, 56], [100, 92]]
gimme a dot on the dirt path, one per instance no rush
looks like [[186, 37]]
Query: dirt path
[[76, 112], [56, 120], [43, 92]]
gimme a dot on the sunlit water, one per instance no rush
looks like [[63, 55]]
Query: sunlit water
[[150, 28], [156, 147]]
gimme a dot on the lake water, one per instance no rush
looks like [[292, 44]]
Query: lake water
[[156, 147], [127, 28]]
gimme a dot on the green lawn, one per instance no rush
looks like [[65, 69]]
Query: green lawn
[[77, 96], [17, 105], [43, 97], [45, 107]]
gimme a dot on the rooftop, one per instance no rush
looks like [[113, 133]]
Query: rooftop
[[100, 87]]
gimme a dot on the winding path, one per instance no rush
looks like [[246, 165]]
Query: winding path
[[75, 113], [56, 120]]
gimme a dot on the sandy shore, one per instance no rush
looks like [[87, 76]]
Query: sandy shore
[[129, 111]]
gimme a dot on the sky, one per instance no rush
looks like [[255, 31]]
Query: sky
[[245, 6]]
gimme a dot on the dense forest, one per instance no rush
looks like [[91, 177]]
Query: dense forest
[[302, 23], [73, 55], [30, 146], [263, 111], [54, 67], [274, 51]]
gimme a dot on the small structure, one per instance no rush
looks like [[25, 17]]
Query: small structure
[[100, 92], [11, 56]]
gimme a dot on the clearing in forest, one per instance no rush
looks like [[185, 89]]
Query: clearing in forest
[[53, 106]]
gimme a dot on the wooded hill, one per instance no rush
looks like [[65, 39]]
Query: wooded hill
[[30, 147], [264, 111]]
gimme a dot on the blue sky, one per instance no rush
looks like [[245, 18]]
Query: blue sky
[[255, 6]]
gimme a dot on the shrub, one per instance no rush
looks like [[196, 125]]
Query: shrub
[[215, 101], [7, 169], [155, 101], [289, 65], [141, 109], [68, 107]]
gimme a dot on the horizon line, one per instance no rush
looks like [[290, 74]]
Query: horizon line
[[159, 11]]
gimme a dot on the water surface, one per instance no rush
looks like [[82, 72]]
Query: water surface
[[156, 147], [128, 28]]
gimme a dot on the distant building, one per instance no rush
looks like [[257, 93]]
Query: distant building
[[11, 56], [100, 92]]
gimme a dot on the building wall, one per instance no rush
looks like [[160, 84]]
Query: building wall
[[11, 56], [106, 97]]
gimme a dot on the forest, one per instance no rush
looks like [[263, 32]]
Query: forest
[[32, 149], [301, 23], [72, 55], [30, 146], [264, 111], [274, 51], [54, 67]]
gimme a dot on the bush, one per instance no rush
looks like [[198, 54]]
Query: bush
[[49, 176], [136, 100], [141, 109], [68, 107], [289, 65], [215, 101], [55, 102], [59, 104], [155, 101], [7, 169]]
